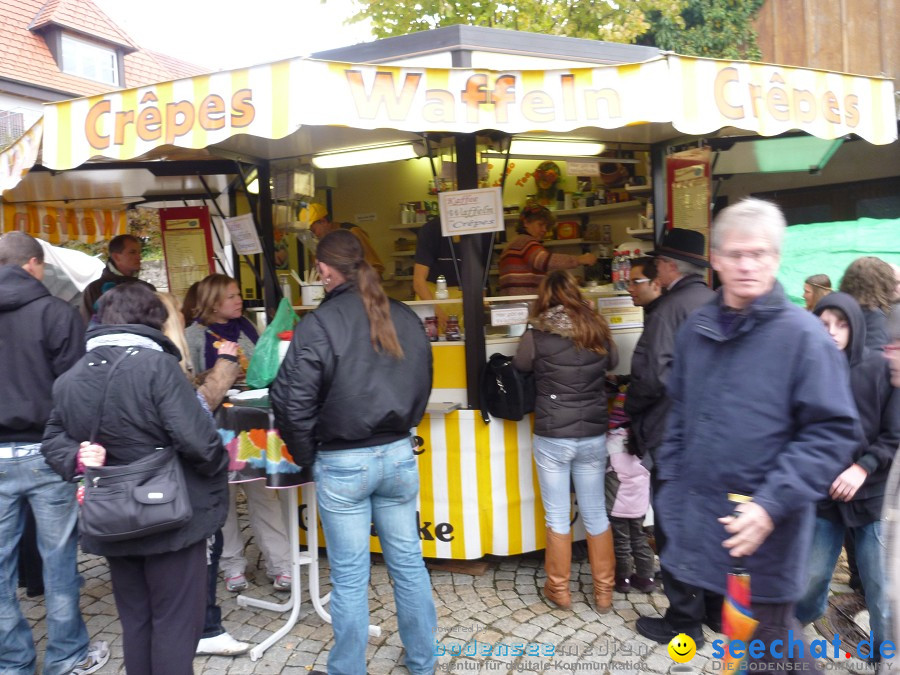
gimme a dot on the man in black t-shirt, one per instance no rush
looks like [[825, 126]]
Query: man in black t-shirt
[[434, 257]]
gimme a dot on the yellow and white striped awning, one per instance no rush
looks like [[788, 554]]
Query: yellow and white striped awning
[[304, 106]]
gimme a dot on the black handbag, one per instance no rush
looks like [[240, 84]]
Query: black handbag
[[506, 393], [133, 500]]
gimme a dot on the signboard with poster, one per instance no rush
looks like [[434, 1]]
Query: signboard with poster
[[187, 245], [689, 190]]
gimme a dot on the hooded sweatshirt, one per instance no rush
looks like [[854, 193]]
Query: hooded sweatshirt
[[41, 337], [879, 412]]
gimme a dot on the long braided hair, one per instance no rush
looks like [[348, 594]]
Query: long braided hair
[[341, 250]]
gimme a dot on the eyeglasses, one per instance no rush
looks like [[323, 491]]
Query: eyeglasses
[[635, 282], [756, 256]]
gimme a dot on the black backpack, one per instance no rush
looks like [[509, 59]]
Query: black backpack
[[506, 393]]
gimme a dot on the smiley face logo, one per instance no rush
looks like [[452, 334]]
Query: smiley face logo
[[682, 648]]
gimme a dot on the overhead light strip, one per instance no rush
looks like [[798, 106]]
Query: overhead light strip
[[360, 156]]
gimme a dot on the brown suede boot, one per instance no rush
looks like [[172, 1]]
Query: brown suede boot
[[603, 568], [558, 565]]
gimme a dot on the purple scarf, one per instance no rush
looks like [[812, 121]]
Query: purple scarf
[[231, 331]]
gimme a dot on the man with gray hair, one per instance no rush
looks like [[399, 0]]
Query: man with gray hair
[[762, 416], [41, 337], [680, 267]]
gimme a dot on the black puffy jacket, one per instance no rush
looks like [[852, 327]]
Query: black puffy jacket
[[570, 382], [335, 392], [149, 403]]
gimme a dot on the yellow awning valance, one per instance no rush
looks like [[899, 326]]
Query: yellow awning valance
[[684, 95]]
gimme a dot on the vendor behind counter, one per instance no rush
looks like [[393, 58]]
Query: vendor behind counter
[[434, 257], [526, 261]]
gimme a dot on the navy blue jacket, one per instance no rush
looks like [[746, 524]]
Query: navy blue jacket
[[765, 411]]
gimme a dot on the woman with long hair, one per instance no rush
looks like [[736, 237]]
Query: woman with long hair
[[355, 381], [159, 580], [815, 288], [871, 282], [569, 348], [525, 260], [220, 319]]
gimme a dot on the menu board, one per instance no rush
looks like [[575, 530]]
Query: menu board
[[689, 190], [187, 246], [471, 211]]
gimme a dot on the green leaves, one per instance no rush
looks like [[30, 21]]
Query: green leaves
[[592, 19], [712, 28]]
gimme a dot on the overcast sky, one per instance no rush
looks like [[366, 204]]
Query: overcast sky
[[224, 34]]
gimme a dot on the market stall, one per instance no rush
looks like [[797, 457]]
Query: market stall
[[263, 116]]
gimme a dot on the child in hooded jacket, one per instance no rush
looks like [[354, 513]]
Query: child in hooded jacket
[[857, 494], [627, 499]]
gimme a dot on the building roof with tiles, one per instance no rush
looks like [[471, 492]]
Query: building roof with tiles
[[30, 58]]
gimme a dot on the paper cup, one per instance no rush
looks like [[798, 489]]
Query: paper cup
[[312, 294]]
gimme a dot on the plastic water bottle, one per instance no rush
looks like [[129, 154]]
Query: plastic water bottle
[[614, 270], [440, 291]]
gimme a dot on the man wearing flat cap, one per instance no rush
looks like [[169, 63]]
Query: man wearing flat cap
[[316, 217], [681, 265]]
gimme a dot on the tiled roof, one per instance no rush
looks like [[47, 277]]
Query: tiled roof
[[83, 17], [146, 66], [26, 59]]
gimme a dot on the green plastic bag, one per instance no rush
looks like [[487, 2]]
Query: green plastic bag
[[264, 363]]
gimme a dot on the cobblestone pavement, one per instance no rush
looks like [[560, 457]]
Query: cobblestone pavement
[[502, 607]]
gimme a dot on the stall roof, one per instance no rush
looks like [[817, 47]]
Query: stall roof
[[482, 47]]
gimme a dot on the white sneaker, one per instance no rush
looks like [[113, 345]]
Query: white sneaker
[[97, 656], [221, 645]]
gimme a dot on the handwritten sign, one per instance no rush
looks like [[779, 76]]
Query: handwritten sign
[[243, 234], [583, 168], [509, 315], [471, 211]]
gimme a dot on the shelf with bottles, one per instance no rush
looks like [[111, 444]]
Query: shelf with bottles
[[403, 254], [406, 226], [642, 233], [586, 210]]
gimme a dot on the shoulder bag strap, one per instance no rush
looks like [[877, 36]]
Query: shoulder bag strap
[[128, 352]]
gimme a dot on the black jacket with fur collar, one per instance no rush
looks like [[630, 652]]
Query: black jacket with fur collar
[[571, 394]]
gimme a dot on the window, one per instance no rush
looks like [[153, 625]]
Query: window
[[89, 60], [12, 125]]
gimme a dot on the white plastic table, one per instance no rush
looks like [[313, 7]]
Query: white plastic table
[[299, 559], [237, 418]]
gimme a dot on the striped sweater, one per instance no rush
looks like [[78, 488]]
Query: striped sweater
[[525, 261]]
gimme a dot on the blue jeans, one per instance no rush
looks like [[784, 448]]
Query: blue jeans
[[354, 489], [30, 479], [870, 550], [583, 460], [212, 624]]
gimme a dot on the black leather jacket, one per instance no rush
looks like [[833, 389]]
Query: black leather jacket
[[335, 392]]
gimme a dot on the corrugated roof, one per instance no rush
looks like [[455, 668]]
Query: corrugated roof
[[26, 59]]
